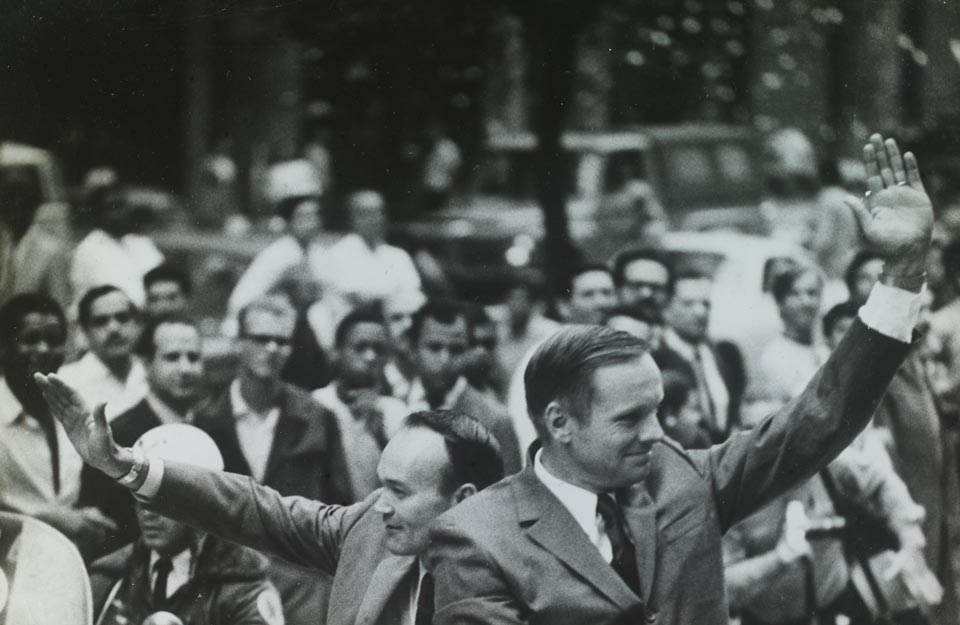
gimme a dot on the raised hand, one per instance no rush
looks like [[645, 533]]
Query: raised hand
[[895, 216], [87, 429]]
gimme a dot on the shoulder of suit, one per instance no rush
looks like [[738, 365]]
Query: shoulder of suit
[[673, 451], [113, 564], [475, 513]]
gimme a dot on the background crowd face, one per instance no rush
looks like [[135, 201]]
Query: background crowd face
[[801, 304], [165, 536], [305, 220], [368, 217], [645, 282], [165, 297], [411, 471], [265, 343], [864, 279], [363, 354], [113, 327], [175, 371], [438, 349], [612, 446], [689, 309], [591, 296], [39, 344]]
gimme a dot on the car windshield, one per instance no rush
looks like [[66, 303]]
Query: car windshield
[[709, 173]]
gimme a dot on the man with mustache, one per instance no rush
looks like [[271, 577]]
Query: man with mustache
[[110, 372]]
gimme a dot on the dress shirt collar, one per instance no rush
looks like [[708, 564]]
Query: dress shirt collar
[[686, 349], [165, 412], [242, 411], [417, 399], [10, 407], [580, 502]]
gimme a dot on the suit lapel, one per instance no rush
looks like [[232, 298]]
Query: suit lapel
[[641, 517], [552, 527], [387, 580]]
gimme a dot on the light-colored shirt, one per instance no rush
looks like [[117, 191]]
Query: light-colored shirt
[[165, 412], [26, 470], [580, 503], [255, 431], [102, 259], [417, 399], [360, 446], [179, 573], [97, 384], [411, 616], [890, 311], [268, 269], [354, 271], [715, 386]]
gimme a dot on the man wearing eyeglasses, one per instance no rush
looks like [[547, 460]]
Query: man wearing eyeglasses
[[279, 435], [110, 372]]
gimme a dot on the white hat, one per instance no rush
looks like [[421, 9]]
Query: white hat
[[184, 443], [294, 178]]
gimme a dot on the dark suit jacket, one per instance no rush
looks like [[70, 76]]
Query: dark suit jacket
[[306, 459], [96, 489], [514, 554], [346, 542], [730, 364], [494, 416]]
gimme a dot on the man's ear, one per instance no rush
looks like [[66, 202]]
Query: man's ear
[[558, 422], [464, 491]]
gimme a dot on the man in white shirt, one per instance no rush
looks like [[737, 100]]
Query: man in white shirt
[[110, 372], [112, 253], [715, 370], [39, 470], [362, 267], [366, 416]]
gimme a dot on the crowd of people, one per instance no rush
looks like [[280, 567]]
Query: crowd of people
[[379, 455]]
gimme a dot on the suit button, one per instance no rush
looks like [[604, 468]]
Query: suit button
[[652, 615]]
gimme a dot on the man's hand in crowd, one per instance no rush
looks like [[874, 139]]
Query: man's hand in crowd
[[87, 526], [896, 215], [920, 581], [87, 429], [793, 543]]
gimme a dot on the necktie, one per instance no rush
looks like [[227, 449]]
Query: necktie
[[706, 400], [624, 556], [425, 601], [162, 569]]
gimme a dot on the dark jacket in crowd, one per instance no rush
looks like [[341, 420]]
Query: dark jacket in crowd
[[228, 586], [306, 459]]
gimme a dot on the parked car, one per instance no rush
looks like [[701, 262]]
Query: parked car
[[690, 176]]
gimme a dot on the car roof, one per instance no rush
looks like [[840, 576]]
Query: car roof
[[636, 138], [730, 244]]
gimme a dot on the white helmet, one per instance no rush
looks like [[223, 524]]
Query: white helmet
[[179, 442]]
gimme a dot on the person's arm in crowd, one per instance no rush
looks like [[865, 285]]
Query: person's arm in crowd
[[748, 578], [791, 445], [257, 603], [265, 271], [87, 527], [234, 507]]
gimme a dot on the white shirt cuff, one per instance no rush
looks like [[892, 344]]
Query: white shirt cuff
[[151, 484], [892, 312]]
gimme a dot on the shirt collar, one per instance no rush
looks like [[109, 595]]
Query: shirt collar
[[165, 412], [10, 407], [580, 502], [241, 409], [677, 343]]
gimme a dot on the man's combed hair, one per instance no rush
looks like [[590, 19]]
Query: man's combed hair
[[147, 343], [630, 256], [166, 272], [365, 314], [443, 311], [273, 303], [562, 368], [474, 453], [91, 296]]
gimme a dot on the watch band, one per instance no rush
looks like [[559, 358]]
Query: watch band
[[136, 471]]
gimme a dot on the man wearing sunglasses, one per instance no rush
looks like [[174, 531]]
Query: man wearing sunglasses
[[279, 435], [110, 371]]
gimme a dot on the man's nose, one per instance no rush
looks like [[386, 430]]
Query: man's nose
[[650, 430]]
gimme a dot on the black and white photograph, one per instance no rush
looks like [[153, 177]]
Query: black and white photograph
[[446, 312]]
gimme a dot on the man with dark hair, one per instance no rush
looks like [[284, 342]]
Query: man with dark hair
[[168, 289], [367, 418], [643, 277], [40, 474], [613, 517], [171, 350], [440, 336], [643, 322], [110, 372], [276, 433], [373, 549], [716, 368], [837, 321]]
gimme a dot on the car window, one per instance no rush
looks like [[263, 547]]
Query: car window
[[733, 162], [621, 169], [512, 174], [689, 165]]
